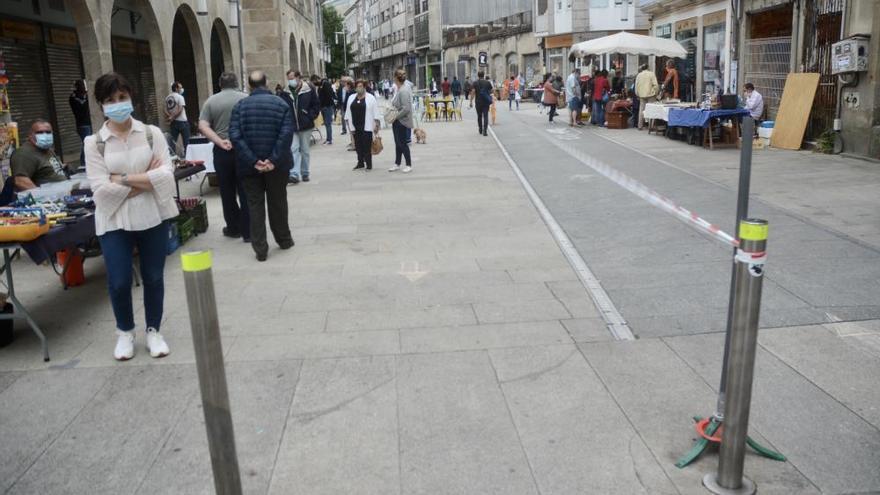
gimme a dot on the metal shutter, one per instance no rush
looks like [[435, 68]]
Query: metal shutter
[[27, 83], [147, 83], [65, 67]]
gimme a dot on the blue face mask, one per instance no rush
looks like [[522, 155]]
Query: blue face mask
[[44, 141], [118, 112]]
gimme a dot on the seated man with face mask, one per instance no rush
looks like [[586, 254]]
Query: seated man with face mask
[[35, 162]]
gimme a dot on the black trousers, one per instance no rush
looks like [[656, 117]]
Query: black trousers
[[363, 142], [552, 110], [268, 190], [401, 143], [232, 195], [483, 118]]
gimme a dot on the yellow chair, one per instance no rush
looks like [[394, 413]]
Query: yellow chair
[[456, 109], [449, 107], [428, 114]]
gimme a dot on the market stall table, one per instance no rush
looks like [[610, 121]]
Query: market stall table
[[201, 152], [40, 250], [185, 172], [660, 111], [705, 119]]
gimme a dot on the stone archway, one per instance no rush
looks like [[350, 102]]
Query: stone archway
[[497, 67], [311, 60], [143, 63], [188, 60], [294, 57], [302, 57], [512, 65], [221, 52]]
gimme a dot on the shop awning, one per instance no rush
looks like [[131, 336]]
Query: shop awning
[[628, 43]]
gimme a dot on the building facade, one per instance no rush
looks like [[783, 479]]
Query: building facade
[[762, 41], [502, 32], [562, 23], [508, 43], [705, 29], [386, 22], [352, 20], [48, 44]]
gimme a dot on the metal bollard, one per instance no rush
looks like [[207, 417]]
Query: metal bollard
[[750, 258], [212, 373], [742, 211]]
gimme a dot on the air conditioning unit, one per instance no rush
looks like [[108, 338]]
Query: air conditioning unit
[[850, 55]]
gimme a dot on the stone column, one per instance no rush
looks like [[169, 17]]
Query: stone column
[[93, 32], [263, 43]]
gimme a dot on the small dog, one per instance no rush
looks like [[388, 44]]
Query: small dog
[[421, 136]]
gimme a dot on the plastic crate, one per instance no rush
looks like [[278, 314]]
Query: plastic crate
[[185, 228], [199, 214]]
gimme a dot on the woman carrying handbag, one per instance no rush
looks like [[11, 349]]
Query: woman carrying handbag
[[362, 117], [399, 115]]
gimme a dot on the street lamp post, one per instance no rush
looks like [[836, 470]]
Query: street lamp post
[[344, 48]]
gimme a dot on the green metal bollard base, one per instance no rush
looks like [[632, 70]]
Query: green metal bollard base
[[702, 444]]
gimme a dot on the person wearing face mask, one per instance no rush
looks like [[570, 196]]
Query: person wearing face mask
[[363, 119], [175, 113], [79, 105], [304, 109], [35, 163], [132, 179]]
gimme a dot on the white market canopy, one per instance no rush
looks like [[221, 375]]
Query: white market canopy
[[628, 43]]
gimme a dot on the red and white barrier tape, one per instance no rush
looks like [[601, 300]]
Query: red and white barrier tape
[[651, 196]]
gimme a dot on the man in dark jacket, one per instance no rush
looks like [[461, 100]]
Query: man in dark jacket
[[304, 108], [261, 131], [328, 107], [456, 89], [341, 98], [79, 105], [468, 87], [483, 100]]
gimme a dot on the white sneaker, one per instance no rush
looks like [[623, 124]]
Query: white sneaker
[[156, 343], [394, 168], [407, 169], [124, 345]]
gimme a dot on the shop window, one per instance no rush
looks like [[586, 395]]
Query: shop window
[[713, 58]]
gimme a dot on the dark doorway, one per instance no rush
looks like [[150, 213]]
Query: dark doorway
[[185, 66], [217, 64]]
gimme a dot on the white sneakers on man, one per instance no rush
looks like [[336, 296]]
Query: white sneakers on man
[[407, 169], [394, 168], [156, 343], [124, 346]]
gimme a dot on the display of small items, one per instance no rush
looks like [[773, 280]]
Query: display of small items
[[22, 224]]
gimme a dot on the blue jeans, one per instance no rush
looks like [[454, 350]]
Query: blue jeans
[[328, 114], [84, 131], [598, 116], [180, 128], [301, 148], [118, 247], [510, 99], [401, 143]]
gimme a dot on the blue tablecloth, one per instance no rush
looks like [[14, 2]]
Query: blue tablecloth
[[695, 117], [60, 237]]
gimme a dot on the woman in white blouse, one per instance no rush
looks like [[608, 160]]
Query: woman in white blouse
[[362, 117], [133, 184]]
